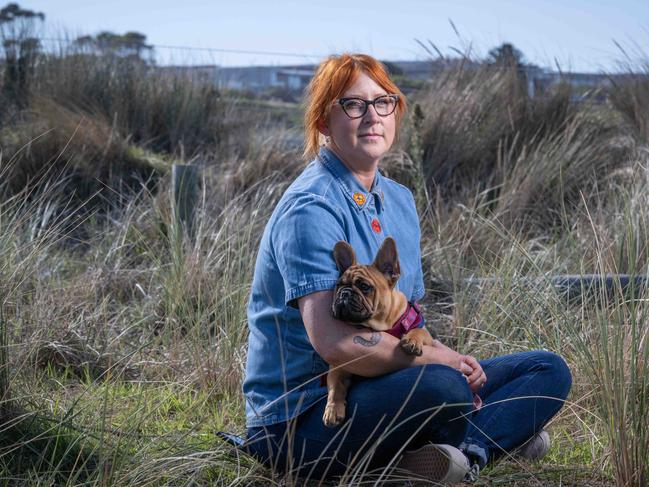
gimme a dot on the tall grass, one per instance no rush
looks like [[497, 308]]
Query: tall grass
[[124, 352], [629, 94], [108, 125], [166, 113]]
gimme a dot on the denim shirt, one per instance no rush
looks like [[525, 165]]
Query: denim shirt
[[325, 204]]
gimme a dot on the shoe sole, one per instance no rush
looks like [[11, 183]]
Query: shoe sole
[[439, 463]]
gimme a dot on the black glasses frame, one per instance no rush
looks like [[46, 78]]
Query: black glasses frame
[[342, 101]]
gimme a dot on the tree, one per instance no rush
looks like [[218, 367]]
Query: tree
[[131, 45], [12, 11], [506, 56], [509, 59], [392, 68], [21, 49]]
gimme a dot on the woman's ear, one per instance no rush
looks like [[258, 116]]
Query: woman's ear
[[322, 128]]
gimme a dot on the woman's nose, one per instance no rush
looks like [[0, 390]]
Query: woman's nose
[[371, 114]]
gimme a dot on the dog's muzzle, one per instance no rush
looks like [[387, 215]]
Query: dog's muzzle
[[348, 306]]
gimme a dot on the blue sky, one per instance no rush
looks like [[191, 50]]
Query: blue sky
[[579, 34]]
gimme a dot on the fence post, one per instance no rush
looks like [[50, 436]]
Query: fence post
[[184, 191]]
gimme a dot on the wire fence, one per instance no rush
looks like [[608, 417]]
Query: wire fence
[[238, 51], [53, 44]]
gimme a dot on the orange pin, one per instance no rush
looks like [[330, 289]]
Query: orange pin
[[359, 198]]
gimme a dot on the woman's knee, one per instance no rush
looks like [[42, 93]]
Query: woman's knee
[[436, 406], [556, 371], [440, 384]]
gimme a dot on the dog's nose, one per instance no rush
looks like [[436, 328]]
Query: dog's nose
[[345, 293], [343, 300]]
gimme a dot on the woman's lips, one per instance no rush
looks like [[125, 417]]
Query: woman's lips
[[370, 136]]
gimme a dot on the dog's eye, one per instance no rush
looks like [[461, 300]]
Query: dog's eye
[[363, 286]]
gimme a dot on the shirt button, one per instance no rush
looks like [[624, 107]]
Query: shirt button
[[376, 226]]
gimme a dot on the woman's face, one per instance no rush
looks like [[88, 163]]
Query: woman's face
[[361, 141]]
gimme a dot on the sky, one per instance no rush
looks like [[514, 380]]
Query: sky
[[578, 35]]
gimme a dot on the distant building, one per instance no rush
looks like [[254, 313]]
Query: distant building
[[294, 79], [262, 78], [583, 85]]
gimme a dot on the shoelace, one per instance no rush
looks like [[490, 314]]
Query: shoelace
[[473, 474]]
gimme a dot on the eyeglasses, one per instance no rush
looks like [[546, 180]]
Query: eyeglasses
[[357, 107]]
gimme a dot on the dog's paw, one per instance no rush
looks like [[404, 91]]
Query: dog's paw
[[334, 414], [411, 346]]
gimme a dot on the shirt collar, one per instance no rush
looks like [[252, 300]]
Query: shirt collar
[[351, 186]]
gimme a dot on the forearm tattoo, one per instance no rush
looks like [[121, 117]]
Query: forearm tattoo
[[375, 338]]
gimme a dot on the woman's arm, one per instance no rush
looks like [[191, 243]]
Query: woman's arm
[[360, 350]]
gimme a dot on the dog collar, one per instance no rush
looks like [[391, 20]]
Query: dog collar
[[409, 320]]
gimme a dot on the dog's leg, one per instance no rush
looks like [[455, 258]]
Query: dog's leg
[[337, 384], [413, 342]]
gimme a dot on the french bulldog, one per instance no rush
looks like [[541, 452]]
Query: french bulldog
[[365, 295]]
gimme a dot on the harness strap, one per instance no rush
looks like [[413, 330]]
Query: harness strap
[[409, 320]]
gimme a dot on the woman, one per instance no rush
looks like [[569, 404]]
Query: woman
[[399, 403]]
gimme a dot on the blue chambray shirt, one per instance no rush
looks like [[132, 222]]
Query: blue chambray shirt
[[325, 204]]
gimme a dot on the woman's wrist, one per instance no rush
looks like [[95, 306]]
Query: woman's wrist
[[441, 354]]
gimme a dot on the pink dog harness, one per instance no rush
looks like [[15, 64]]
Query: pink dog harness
[[409, 320]]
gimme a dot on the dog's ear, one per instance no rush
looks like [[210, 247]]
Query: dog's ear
[[387, 261], [344, 256]]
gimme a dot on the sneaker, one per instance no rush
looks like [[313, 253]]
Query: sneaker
[[537, 446], [437, 463]]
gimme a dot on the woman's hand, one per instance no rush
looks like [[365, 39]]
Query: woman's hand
[[447, 356], [466, 364], [476, 378]]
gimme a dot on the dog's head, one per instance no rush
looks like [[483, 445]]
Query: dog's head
[[365, 293]]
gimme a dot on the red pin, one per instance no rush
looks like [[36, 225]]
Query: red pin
[[376, 226]]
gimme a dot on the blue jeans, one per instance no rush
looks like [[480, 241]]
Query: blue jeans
[[418, 405]]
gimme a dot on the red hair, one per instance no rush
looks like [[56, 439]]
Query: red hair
[[335, 75]]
